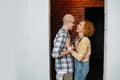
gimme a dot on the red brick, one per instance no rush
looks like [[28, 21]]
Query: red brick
[[80, 3], [85, 0]]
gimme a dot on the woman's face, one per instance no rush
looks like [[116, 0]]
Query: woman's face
[[80, 27]]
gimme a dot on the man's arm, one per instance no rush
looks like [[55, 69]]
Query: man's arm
[[58, 45]]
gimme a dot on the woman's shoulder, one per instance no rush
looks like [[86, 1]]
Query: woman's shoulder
[[85, 39]]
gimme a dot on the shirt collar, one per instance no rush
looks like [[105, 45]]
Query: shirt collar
[[64, 29]]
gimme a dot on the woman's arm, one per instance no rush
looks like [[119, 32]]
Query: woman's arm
[[82, 49]]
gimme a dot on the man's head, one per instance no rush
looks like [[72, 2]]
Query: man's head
[[68, 21]]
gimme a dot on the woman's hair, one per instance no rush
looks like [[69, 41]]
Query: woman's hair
[[88, 28]]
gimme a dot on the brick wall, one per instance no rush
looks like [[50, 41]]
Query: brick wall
[[75, 7]]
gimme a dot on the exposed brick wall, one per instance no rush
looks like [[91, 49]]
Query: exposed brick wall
[[75, 7]]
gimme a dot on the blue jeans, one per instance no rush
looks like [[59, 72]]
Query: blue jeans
[[81, 70]]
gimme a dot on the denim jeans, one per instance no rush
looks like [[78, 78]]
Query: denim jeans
[[81, 70]]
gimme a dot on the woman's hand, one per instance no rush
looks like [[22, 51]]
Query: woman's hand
[[68, 43]]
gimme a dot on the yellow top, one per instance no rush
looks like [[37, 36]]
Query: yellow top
[[83, 50]]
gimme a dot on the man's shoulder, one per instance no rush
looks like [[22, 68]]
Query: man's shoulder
[[62, 31]]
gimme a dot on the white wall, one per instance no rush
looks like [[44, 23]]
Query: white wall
[[24, 40], [112, 40]]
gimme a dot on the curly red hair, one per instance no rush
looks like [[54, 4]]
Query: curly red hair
[[89, 28]]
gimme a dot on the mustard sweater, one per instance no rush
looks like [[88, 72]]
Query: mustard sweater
[[82, 50]]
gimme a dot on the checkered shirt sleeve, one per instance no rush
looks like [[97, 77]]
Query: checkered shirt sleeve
[[59, 42]]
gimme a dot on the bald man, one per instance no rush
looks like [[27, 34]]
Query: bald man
[[63, 58]]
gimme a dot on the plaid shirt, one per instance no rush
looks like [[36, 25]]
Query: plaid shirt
[[62, 63]]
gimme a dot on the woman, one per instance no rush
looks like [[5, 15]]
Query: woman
[[82, 50]]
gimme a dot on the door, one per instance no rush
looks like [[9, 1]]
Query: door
[[96, 15]]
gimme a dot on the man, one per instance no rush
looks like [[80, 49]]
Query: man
[[63, 58]]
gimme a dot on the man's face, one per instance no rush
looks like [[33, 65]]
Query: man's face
[[71, 23]]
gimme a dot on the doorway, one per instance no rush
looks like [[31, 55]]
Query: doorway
[[96, 15]]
